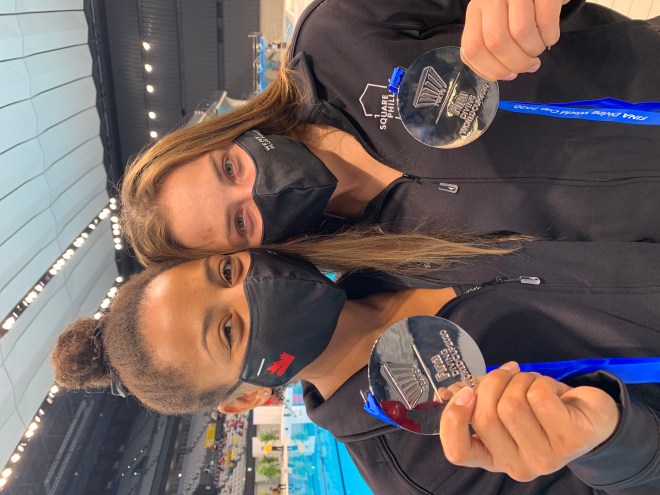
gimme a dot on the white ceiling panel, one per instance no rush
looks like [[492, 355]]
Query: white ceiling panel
[[51, 159], [6, 397], [77, 163], [7, 6], [56, 105], [78, 204], [11, 40], [26, 347], [22, 205], [106, 279], [65, 137], [19, 165], [87, 292], [14, 82], [52, 30], [47, 5], [23, 124], [51, 69], [17, 251], [23, 334], [26, 276]]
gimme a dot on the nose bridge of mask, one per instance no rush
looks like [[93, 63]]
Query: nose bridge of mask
[[293, 313], [292, 186]]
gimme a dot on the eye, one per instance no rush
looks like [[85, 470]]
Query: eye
[[230, 170], [227, 271], [227, 329], [240, 224]]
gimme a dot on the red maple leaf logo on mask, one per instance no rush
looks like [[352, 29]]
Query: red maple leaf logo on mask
[[279, 367]]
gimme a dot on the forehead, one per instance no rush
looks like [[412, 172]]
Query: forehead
[[173, 313], [168, 313]]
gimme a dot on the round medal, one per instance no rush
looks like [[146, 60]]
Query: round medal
[[417, 365], [442, 102]]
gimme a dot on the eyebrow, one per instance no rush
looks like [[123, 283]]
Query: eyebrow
[[208, 315]]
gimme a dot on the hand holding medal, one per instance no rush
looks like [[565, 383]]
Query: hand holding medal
[[503, 38], [427, 376]]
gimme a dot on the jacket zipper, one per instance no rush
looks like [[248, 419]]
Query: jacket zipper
[[523, 279], [442, 186]]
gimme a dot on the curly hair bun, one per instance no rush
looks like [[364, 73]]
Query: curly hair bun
[[78, 358]]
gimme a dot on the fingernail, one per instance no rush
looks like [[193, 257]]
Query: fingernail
[[510, 366], [535, 67], [510, 76], [464, 396]]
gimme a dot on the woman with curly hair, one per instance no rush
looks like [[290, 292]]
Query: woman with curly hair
[[229, 329]]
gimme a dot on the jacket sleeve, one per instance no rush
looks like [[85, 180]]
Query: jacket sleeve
[[418, 15], [629, 461]]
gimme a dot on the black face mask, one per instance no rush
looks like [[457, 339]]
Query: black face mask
[[294, 310], [292, 187]]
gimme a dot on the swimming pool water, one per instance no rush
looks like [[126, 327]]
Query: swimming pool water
[[329, 470]]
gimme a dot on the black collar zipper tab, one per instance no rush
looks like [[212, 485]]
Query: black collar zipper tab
[[442, 186], [523, 279]]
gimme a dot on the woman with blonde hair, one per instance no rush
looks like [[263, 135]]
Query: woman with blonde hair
[[229, 329], [323, 147]]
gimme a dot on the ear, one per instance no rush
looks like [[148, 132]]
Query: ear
[[245, 401]]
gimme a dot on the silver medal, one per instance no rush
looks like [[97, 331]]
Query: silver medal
[[442, 102], [417, 365]]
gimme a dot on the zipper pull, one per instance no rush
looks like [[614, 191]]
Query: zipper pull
[[450, 188], [442, 186], [523, 279]]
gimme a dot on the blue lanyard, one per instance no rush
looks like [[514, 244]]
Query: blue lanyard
[[602, 110], [628, 370]]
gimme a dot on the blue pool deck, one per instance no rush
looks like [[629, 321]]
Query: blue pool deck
[[328, 468]]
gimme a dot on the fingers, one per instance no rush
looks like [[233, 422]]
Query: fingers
[[473, 49], [499, 39], [459, 446], [547, 20], [503, 38], [486, 419], [523, 28]]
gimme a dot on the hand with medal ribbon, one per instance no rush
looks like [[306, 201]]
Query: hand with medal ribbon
[[445, 104], [424, 365]]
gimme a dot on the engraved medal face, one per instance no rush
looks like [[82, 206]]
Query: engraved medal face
[[443, 103], [417, 365]]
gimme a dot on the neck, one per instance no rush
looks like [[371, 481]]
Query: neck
[[360, 177], [359, 326]]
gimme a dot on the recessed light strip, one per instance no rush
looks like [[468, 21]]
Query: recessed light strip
[[10, 320]]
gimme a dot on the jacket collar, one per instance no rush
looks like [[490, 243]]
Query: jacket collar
[[343, 413]]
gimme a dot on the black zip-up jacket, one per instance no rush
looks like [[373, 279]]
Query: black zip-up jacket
[[595, 300], [548, 177]]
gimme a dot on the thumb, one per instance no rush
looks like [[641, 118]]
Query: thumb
[[593, 408], [459, 445]]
